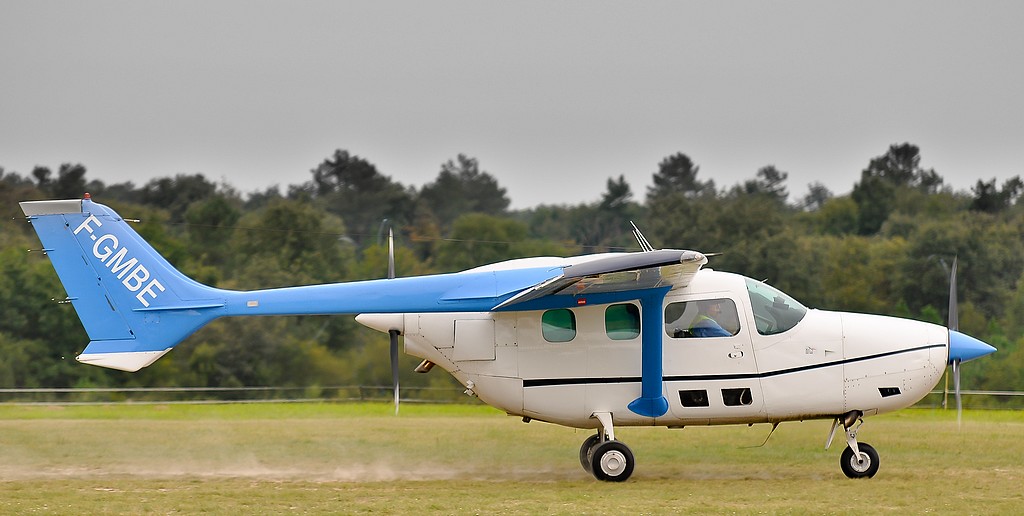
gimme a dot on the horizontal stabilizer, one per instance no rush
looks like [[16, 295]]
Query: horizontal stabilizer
[[130, 361]]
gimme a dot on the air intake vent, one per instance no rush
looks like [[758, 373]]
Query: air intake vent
[[889, 391], [698, 398]]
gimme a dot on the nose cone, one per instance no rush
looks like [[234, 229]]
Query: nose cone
[[964, 347]]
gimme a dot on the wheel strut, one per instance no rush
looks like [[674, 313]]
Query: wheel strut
[[858, 460]]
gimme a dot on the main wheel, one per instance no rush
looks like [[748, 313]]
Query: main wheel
[[864, 467], [587, 450], [612, 461]]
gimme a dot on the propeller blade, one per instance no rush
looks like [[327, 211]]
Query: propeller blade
[[390, 254], [962, 347], [953, 323], [954, 318], [956, 388], [394, 364], [393, 334], [945, 392]]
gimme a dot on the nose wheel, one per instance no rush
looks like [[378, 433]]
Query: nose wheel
[[604, 457], [864, 465]]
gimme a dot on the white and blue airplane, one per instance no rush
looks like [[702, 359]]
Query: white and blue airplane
[[595, 342]]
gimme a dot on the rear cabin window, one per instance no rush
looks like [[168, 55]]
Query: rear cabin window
[[702, 318], [622, 322], [558, 325]]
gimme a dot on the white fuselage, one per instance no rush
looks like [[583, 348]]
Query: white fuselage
[[825, 365]]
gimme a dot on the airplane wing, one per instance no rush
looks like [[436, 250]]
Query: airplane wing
[[615, 273]]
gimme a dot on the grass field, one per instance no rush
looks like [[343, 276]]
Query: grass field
[[360, 458]]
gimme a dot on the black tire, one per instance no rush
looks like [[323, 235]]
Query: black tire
[[864, 468], [587, 450], [612, 461]]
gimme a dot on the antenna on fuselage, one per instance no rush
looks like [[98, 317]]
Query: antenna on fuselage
[[644, 244]]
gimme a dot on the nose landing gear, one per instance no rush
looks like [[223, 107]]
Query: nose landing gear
[[858, 460]]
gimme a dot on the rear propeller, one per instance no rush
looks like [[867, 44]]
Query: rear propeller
[[393, 334]]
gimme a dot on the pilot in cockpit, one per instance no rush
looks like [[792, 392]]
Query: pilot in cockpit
[[706, 323]]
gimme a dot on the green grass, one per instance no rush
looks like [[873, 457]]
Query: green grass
[[359, 458]]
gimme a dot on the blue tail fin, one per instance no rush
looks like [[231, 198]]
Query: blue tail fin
[[134, 305]]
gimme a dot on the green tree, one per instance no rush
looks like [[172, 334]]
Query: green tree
[[461, 188], [816, 197], [607, 227], [681, 208], [876, 193], [836, 216], [43, 333], [989, 199], [479, 239], [991, 261], [742, 225], [859, 273], [289, 243], [875, 198], [70, 182], [677, 175], [769, 182], [424, 234], [353, 189], [211, 223], [176, 194]]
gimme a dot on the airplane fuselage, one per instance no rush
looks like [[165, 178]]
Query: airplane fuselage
[[565, 365]]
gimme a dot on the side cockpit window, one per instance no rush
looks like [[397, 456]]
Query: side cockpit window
[[702, 318], [774, 311], [558, 325]]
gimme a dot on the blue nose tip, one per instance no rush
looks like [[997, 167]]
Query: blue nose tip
[[964, 347]]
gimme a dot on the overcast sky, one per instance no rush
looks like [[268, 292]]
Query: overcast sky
[[552, 98]]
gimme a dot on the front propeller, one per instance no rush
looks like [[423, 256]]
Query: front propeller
[[962, 347]]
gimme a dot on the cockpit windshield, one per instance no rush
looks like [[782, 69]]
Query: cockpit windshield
[[774, 311]]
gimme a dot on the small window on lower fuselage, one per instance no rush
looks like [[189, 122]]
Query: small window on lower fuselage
[[737, 397], [695, 398], [558, 325]]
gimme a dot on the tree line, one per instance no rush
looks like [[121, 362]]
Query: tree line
[[886, 247]]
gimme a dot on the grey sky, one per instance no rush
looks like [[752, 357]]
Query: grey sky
[[552, 98]]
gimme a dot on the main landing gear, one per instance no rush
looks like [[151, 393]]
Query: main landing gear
[[603, 456], [859, 460], [612, 461]]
